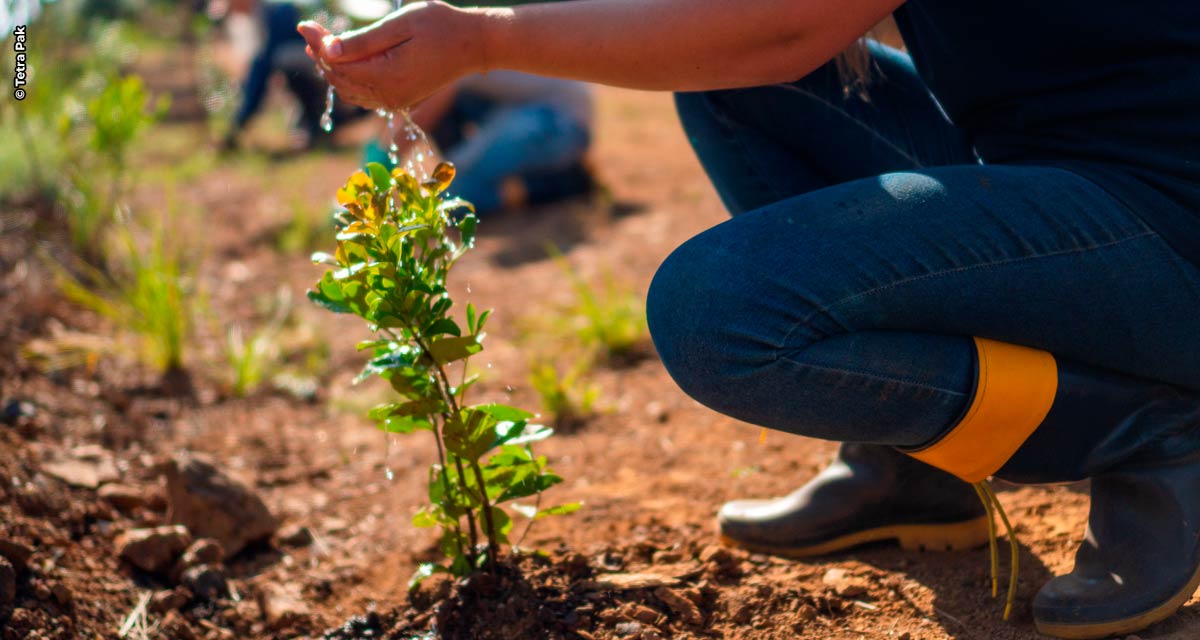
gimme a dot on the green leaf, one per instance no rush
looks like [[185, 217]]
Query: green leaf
[[521, 433], [471, 317], [424, 518], [469, 436], [405, 424], [380, 176], [466, 226], [447, 350], [503, 412], [559, 510], [443, 326], [424, 571], [418, 407], [321, 257], [527, 511]]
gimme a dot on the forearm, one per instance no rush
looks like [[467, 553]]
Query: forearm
[[679, 45]]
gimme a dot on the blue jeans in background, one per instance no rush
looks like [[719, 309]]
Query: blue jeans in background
[[869, 244], [534, 141]]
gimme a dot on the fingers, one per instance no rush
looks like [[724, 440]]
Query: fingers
[[355, 92], [313, 33], [368, 41]]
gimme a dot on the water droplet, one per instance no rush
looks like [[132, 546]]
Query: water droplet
[[327, 117]]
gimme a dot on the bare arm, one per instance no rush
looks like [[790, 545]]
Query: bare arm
[[681, 45], [677, 45]]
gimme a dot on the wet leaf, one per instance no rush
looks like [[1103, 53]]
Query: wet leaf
[[447, 350]]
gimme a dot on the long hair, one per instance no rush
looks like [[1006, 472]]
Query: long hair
[[855, 69], [855, 66]]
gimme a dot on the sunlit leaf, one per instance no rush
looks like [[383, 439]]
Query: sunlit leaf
[[446, 350]]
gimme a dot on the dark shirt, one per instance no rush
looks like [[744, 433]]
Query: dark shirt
[[279, 21], [1109, 89]]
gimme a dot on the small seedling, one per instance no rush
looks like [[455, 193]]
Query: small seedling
[[394, 253], [608, 320], [148, 292], [111, 123], [565, 395], [251, 360]]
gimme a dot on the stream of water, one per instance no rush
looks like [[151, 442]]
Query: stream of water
[[420, 150]]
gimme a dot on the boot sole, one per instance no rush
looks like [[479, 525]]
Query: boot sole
[[955, 536], [1124, 626]]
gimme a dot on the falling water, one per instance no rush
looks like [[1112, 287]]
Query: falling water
[[387, 457], [327, 117], [420, 149]]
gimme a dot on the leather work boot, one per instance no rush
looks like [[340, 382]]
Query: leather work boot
[[1140, 559], [1034, 419], [870, 493]]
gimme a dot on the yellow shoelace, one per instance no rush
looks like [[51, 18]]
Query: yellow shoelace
[[990, 502]]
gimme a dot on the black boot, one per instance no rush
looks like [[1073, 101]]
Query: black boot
[[869, 493], [1140, 442]]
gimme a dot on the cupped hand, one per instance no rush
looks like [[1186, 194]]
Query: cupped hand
[[401, 59]]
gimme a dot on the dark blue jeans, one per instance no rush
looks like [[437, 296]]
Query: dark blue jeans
[[868, 244]]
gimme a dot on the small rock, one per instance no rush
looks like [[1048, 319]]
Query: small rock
[[657, 411], [628, 629], [845, 585], [8, 583], [642, 613], [295, 535], [214, 505], [176, 627], [122, 496], [904, 636], [715, 553], [667, 557], [202, 551], [630, 581], [681, 605], [87, 467], [742, 613], [808, 612], [281, 607], [41, 591], [62, 593], [206, 582], [154, 549], [170, 599], [16, 553]]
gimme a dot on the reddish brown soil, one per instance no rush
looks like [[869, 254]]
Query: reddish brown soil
[[651, 468]]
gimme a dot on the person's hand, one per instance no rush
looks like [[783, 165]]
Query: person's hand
[[400, 59]]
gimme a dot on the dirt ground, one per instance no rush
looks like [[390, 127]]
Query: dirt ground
[[651, 468]]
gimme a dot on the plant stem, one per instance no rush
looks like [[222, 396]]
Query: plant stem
[[493, 541], [444, 387], [441, 452], [437, 437]]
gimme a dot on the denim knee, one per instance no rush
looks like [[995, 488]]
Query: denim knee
[[699, 326]]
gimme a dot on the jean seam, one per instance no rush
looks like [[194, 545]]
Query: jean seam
[[874, 376], [825, 309], [917, 164]]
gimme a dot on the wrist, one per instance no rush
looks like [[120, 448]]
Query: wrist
[[487, 27]]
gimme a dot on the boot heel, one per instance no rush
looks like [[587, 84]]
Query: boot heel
[[958, 536]]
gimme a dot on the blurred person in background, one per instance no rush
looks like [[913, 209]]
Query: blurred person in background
[[515, 138], [279, 49]]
